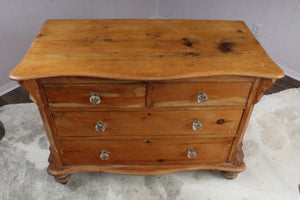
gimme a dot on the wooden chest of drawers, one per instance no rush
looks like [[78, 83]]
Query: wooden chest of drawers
[[145, 97]]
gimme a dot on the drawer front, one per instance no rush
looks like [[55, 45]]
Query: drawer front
[[136, 152], [200, 94], [96, 95], [155, 123]]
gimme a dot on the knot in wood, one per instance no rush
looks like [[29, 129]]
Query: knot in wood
[[225, 47]]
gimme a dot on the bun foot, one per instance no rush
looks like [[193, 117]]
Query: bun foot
[[229, 175], [62, 179]]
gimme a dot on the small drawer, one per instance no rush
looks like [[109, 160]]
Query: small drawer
[[200, 94], [145, 152], [154, 123], [95, 95]]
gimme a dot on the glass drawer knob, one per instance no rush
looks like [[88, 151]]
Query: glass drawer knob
[[104, 155], [191, 153], [197, 125], [100, 126], [202, 97], [95, 99]]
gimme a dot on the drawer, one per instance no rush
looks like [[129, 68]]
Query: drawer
[[96, 95], [200, 94], [136, 152], [154, 123]]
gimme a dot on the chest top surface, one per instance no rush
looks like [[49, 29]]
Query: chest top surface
[[145, 50]]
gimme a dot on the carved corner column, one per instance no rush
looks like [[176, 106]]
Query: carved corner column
[[236, 156], [37, 95]]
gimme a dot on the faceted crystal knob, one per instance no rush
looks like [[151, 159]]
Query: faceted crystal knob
[[197, 125], [202, 97], [95, 99], [191, 153], [104, 155], [100, 126]]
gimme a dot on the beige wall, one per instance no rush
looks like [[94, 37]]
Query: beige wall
[[20, 21]]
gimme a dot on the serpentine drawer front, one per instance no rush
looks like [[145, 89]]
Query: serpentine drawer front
[[153, 123], [96, 95], [144, 97], [145, 152], [200, 94]]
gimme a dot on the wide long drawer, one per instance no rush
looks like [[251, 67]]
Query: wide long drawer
[[95, 95], [142, 123], [145, 152], [200, 94]]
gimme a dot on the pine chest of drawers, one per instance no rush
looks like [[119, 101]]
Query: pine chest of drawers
[[145, 97]]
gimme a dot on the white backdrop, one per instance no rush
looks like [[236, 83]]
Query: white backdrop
[[278, 20]]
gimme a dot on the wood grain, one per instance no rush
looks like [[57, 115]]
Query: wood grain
[[145, 50], [79, 80], [185, 94], [112, 95], [148, 74], [149, 109], [146, 124], [36, 91], [86, 152], [145, 169]]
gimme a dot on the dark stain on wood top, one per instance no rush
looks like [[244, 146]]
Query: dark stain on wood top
[[144, 49]]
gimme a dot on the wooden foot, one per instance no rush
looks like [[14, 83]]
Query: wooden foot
[[229, 175], [62, 179]]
